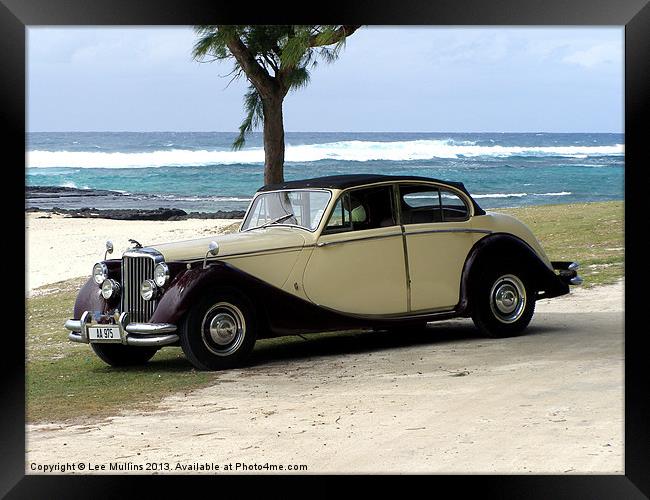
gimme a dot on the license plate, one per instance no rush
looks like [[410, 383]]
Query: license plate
[[104, 333]]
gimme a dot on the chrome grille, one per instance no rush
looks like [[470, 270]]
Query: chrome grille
[[136, 269]]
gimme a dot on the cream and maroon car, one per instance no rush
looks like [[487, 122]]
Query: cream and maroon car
[[332, 253]]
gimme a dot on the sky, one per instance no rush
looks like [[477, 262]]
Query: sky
[[388, 79]]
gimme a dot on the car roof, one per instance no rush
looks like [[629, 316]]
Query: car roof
[[352, 180], [347, 181]]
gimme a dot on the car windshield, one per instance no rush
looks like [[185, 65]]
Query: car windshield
[[302, 208]]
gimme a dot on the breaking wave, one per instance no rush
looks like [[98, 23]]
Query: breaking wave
[[519, 195], [342, 151]]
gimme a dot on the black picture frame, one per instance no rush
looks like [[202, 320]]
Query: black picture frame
[[15, 15]]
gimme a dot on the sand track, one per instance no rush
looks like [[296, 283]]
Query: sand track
[[441, 400]]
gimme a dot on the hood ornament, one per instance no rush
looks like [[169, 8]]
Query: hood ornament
[[135, 243]]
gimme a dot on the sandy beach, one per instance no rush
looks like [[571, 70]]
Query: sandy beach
[[60, 248]]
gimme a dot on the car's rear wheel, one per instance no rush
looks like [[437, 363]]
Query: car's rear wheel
[[219, 332], [123, 355], [503, 302]]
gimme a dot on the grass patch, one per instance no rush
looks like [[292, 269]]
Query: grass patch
[[66, 381], [589, 233]]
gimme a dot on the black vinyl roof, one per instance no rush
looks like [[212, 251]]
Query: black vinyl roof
[[352, 180]]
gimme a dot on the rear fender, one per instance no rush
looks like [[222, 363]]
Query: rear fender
[[506, 249]]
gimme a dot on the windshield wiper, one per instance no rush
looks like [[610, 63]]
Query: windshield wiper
[[279, 219], [274, 221]]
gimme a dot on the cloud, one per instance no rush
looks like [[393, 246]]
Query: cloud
[[547, 48], [604, 53], [585, 47], [134, 48], [408, 78], [474, 46]]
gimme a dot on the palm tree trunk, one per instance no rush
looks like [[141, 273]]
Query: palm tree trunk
[[273, 139]]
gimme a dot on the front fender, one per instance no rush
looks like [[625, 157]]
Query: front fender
[[185, 289], [280, 312], [90, 298]]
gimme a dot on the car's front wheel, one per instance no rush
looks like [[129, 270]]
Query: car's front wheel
[[123, 355], [219, 332], [503, 303]]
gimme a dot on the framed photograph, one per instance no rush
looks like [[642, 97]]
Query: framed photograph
[[394, 246]]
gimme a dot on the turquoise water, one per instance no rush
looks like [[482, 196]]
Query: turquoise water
[[199, 171]]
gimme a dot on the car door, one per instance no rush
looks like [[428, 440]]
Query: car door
[[438, 237], [357, 265]]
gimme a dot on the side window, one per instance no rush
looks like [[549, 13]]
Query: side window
[[453, 206], [340, 217], [361, 209], [420, 204], [426, 204]]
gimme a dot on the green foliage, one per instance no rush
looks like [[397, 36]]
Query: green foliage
[[275, 58], [254, 116]]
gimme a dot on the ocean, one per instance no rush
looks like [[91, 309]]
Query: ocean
[[198, 171]]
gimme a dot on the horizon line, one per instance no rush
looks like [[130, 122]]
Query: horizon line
[[311, 132]]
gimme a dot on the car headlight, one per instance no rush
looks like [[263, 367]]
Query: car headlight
[[110, 288], [100, 272], [148, 289], [161, 274]]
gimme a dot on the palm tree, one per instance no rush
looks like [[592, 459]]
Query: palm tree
[[275, 60]]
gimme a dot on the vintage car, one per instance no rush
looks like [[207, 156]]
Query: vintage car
[[331, 253]]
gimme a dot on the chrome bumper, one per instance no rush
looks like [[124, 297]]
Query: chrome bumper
[[134, 334], [568, 272]]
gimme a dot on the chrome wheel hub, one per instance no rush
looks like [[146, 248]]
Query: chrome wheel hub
[[223, 329], [508, 298]]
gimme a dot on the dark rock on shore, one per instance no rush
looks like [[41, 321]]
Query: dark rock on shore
[[160, 214], [219, 214], [60, 191], [74, 202]]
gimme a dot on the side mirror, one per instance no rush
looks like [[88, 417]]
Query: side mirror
[[109, 248], [213, 249]]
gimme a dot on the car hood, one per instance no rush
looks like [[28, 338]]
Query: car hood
[[257, 240]]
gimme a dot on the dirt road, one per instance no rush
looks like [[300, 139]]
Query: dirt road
[[442, 400]]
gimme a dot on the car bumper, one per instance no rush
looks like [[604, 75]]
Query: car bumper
[[133, 334], [568, 272]]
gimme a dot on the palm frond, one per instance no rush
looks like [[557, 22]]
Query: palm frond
[[298, 78], [295, 47], [212, 41], [286, 52], [254, 117]]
